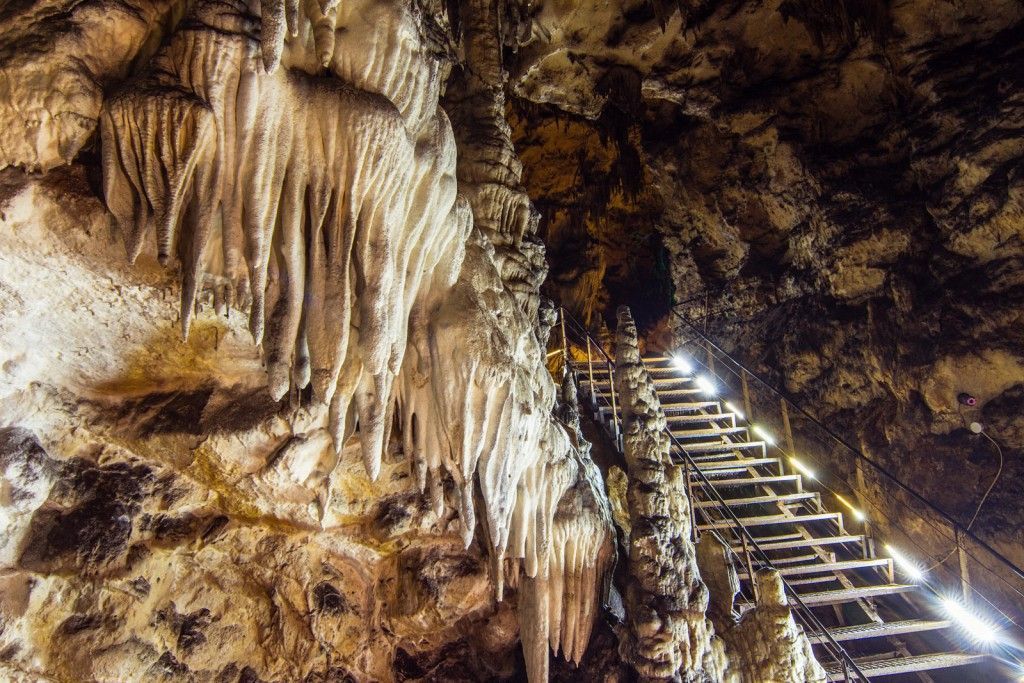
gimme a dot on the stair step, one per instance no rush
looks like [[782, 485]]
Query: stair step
[[841, 595], [806, 581], [891, 628], [756, 500], [688, 406], [659, 382], [903, 665], [741, 463], [699, 418], [767, 520], [754, 481], [717, 446], [714, 431], [830, 567], [809, 557], [804, 542]]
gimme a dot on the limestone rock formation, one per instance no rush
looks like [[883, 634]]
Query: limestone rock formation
[[667, 635], [290, 163], [766, 644]]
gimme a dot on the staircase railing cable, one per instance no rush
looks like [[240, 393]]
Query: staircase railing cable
[[754, 551]]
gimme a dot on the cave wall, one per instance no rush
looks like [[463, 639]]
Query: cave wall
[[305, 430], [837, 190]]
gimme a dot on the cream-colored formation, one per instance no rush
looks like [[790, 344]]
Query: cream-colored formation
[[329, 206], [667, 633]]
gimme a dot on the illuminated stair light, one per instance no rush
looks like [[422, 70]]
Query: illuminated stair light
[[857, 514], [906, 565], [768, 438], [977, 628], [733, 409], [803, 469], [705, 385], [682, 364]]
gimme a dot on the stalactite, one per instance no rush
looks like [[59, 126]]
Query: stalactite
[[331, 235], [666, 635], [331, 206], [558, 605]]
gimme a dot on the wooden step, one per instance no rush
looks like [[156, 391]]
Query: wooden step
[[766, 520], [698, 418], [756, 500], [904, 665], [841, 595], [891, 628], [758, 481], [734, 463], [804, 542], [688, 406], [841, 566], [719, 446], [683, 434]]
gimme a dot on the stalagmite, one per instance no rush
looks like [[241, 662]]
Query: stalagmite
[[667, 635], [766, 644]]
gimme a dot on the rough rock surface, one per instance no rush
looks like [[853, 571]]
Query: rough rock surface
[[294, 498], [836, 186], [667, 635]]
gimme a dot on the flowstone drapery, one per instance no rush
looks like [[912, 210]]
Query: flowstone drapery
[[666, 634], [329, 206]]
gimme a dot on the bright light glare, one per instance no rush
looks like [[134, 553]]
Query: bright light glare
[[906, 565], [803, 469], [733, 409], [769, 439], [705, 385], [977, 628], [683, 365], [857, 514]]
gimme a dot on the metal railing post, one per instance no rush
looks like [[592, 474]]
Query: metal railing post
[[590, 372], [565, 342], [750, 564], [746, 396], [965, 576], [787, 430], [615, 408], [694, 533]]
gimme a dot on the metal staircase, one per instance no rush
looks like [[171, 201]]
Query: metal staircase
[[863, 617]]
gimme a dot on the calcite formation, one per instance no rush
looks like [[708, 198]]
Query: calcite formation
[[290, 162], [667, 635], [766, 644]]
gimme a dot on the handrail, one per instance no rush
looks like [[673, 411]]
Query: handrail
[[835, 649], [858, 453]]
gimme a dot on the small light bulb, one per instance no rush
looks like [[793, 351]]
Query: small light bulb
[[682, 365], [977, 628], [732, 409], [768, 438], [857, 514], [705, 385], [803, 469], [906, 565]]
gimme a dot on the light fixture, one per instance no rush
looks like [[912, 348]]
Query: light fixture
[[977, 628], [733, 409], [857, 514], [803, 469], [768, 438], [705, 385], [682, 364], [906, 565]]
